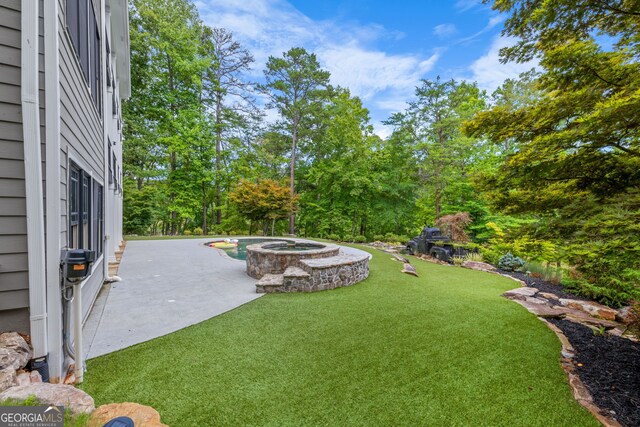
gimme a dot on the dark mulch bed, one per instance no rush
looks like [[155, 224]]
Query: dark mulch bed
[[610, 370], [544, 286]]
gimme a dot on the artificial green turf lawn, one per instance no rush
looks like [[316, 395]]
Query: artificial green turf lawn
[[443, 349]]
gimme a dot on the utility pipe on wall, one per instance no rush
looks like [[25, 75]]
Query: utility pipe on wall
[[77, 331], [33, 177]]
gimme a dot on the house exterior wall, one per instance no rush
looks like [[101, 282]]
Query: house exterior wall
[[86, 134], [14, 275], [81, 136]]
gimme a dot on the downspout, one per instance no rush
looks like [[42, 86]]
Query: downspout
[[106, 124], [53, 242], [33, 177]]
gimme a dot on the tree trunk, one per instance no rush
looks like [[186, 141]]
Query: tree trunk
[[437, 175], [292, 215], [204, 209], [218, 151]]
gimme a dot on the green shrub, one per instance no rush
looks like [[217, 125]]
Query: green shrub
[[546, 272], [458, 260], [197, 231], [390, 237], [378, 238], [360, 239], [474, 256], [333, 237], [510, 262], [187, 232]]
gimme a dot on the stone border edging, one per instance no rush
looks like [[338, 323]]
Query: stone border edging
[[579, 390]]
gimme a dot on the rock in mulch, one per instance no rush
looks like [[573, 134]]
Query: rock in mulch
[[610, 368], [626, 315], [543, 285], [593, 308], [14, 351], [480, 266], [76, 400], [7, 378], [520, 293], [141, 415], [540, 310]]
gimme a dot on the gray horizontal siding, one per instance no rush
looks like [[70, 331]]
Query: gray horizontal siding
[[10, 113], [9, 18], [81, 140], [9, 55], [15, 320], [13, 206], [11, 188], [11, 5], [14, 276], [11, 150], [10, 263], [10, 36], [11, 244], [13, 225], [14, 299], [13, 281], [11, 168], [10, 74], [11, 132]]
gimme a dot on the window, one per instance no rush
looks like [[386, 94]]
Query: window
[[86, 211], [82, 26], [74, 200], [98, 218], [110, 162]]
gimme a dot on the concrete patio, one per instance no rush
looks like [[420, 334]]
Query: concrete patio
[[166, 285]]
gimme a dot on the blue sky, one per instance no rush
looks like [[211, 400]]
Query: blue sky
[[378, 49]]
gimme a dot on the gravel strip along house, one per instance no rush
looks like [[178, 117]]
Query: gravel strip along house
[[64, 69]]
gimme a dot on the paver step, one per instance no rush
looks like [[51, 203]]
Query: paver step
[[342, 259], [295, 272], [271, 280]]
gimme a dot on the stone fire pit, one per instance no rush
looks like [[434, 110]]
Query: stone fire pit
[[303, 266], [275, 257]]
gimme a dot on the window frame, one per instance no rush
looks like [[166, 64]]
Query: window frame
[[85, 209], [83, 30]]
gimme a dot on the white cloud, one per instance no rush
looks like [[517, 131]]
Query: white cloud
[[464, 5], [493, 21], [444, 30], [489, 72], [368, 72], [271, 27], [383, 131]]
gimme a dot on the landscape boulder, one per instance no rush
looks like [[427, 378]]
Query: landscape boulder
[[14, 351], [480, 266], [7, 378], [520, 293], [626, 315], [593, 308], [76, 400], [141, 415]]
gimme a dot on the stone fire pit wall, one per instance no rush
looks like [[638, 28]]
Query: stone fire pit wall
[[262, 259], [334, 272]]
